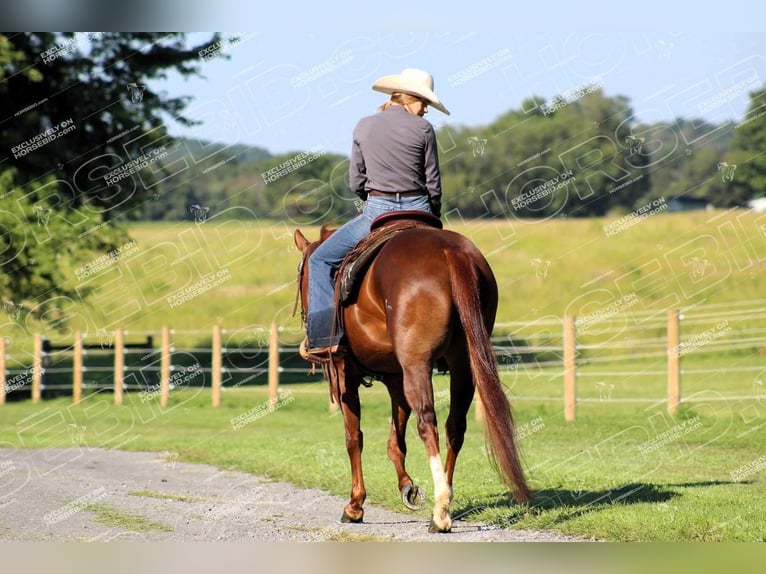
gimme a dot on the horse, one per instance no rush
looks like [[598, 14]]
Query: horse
[[428, 295]]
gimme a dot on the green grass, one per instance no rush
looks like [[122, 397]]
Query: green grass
[[605, 476], [345, 536], [166, 496], [110, 516]]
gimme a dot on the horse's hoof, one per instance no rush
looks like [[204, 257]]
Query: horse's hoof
[[413, 497], [435, 529], [348, 519]]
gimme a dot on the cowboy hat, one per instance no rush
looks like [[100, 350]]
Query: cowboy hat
[[411, 81]]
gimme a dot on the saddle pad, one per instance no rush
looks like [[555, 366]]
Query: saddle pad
[[354, 264], [409, 214]]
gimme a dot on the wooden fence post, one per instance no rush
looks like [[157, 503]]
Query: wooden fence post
[[119, 365], [216, 365], [2, 370], [674, 361], [273, 364], [77, 368], [165, 367], [570, 368], [37, 368]]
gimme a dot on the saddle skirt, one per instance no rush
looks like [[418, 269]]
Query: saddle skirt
[[384, 227]]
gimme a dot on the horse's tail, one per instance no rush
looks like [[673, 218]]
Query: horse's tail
[[498, 420]]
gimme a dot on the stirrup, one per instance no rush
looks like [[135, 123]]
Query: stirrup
[[319, 354]]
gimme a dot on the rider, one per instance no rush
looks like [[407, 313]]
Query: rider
[[394, 166]]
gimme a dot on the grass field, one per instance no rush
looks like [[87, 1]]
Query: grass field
[[246, 273], [622, 472]]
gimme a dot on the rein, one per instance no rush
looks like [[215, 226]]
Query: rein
[[299, 291]]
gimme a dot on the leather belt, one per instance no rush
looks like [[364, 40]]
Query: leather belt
[[396, 194]]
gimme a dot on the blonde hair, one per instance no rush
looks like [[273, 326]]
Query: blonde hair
[[400, 98]]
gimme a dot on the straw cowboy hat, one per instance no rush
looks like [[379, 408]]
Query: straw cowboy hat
[[411, 81]]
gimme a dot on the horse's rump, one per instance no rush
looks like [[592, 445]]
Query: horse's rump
[[406, 293]]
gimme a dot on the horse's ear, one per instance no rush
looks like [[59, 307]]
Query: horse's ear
[[300, 240], [325, 232]]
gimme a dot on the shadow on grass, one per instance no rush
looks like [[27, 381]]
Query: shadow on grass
[[561, 504]]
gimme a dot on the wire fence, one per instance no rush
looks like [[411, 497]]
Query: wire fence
[[638, 357], [613, 356]]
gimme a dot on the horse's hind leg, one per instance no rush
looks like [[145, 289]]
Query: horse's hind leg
[[420, 396], [461, 395], [412, 496], [350, 407]]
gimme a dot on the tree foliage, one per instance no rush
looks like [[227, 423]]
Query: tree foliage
[[566, 158], [580, 158], [81, 109], [748, 179], [79, 118], [45, 253]]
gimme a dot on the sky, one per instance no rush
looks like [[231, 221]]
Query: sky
[[303, 82]]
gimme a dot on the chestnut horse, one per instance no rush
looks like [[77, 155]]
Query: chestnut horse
[[428, 295]]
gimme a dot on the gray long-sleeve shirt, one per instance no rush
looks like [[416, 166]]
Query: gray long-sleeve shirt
[[394, 150]]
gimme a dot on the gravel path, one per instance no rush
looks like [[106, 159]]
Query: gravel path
[[99, 495]]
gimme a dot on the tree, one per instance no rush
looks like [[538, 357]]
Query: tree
[[43, 257], [742, 176], [569, 157], [80, 108]]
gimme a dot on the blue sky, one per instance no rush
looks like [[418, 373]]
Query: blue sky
[[302, 80]]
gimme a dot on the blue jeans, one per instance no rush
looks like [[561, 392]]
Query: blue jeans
[[328, 256]]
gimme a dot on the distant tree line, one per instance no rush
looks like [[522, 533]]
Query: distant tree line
[[583, 158]]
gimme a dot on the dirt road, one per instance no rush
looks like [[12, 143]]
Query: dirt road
[[82, 494]]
